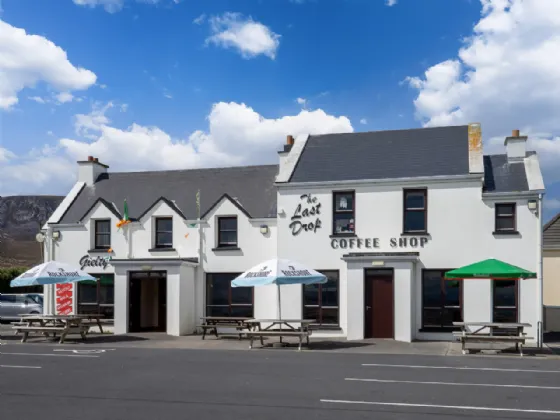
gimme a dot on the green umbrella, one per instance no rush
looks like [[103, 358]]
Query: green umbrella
[[125, 210], [490, 269]]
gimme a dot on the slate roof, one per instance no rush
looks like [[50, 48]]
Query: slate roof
[[384, 154], [501, 176], [252, 186], [551, 233]]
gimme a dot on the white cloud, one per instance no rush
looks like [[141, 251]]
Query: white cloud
[[302, 102], [6, 155], [236, 135], [113, 6], [37, 99], [64, 97], [552, 204], [200, 20], [249, 38], [363, 121], [28, 59], [505, 76], [390, 2]]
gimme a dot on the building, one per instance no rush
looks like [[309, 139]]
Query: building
[[551, 273], [382, 214]]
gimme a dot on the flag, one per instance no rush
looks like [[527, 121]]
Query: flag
[[125, 210], [198, 204]]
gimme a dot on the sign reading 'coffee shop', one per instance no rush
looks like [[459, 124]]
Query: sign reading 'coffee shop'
[[372, 243]]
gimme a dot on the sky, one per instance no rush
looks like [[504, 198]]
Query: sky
[[171, 84]]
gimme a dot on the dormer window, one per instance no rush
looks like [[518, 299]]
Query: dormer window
[[164, 232], [102, 234]]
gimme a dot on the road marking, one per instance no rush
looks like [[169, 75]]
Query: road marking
[[47, 354], [87, 351], [451, 407], [20, 367], [390, 381], [460, 368]]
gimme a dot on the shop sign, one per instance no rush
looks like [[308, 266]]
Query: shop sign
[[87, 261], [306, 216], [371, 243]]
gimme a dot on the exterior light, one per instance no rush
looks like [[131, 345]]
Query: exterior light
[[40, 237], [264, 229], [532, 204], [56, 235]]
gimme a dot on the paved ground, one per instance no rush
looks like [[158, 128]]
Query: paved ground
[[86, 382]]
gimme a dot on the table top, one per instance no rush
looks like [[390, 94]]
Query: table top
[[494, 324], [226, 318], [281, 321]]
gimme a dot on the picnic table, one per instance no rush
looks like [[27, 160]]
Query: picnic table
[[51, 324], [212, 323], [282, 328], [492, 332]]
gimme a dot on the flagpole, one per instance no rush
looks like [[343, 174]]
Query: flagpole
[[200, 242]]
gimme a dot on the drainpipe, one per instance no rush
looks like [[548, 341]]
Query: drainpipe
[[540, 293]]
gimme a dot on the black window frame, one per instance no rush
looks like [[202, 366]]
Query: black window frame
[[158, 245], [320, 324], [406, 210], [97, 234], [97, 304], [221, 244], [442, 307], [512, 216], [516, 307], [230, 305], [335, 194]]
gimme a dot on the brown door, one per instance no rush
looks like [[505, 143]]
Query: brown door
[[379, 317]]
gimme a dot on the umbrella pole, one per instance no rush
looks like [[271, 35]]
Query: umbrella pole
[[279, 309]]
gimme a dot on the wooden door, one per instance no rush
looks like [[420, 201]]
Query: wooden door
[[379, 306]]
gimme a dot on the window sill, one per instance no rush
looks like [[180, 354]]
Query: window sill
[[227, 248], [343, 235], [105, 250], [162, 250], [506, 232], [415, 234]]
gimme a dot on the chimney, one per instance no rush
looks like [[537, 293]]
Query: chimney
[[516, 147], [90, 169], [476, 162]]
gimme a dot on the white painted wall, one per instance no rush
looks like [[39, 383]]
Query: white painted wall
[[460, 224]]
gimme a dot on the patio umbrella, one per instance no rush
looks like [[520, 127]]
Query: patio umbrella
[[278, 272], [490, 269], [51, 272]]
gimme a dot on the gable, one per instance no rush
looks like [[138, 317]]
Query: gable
[[551, 233]]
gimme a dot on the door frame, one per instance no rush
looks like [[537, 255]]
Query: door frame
[[390, 270], [129, 280]]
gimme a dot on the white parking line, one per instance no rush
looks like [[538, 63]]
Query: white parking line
[[47, 354], [460, 368], [450, 407], [20, 367], [390, 381]]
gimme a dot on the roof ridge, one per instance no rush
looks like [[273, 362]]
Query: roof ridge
[[194, 169], [551, 222], [391, 130]]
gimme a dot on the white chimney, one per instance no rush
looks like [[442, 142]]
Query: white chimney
[[516, 147], [283, 154], [90, 169], [476, 162]]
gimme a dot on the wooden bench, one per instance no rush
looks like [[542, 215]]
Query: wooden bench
[[63, 330], [214, 327], [518, 340], [301, 334]]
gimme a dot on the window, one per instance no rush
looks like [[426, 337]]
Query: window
[[505, 217], [504, 306], [97, 297], [227, 232], [164, 232], [415, 211], [441, 300], [344, 210], [320, 301], [224, 300], [102, 234]]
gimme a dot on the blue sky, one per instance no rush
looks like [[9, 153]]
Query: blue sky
[[144, 82]]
